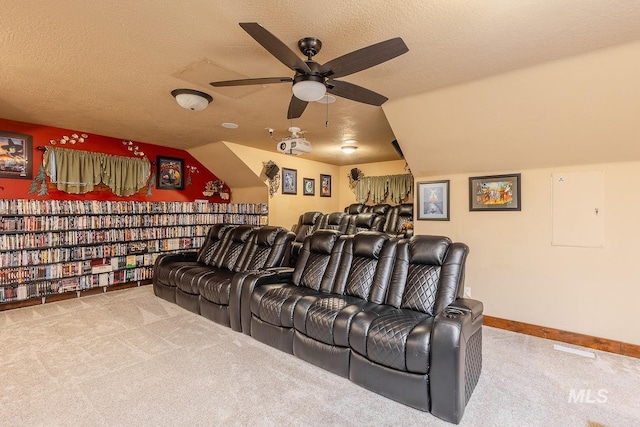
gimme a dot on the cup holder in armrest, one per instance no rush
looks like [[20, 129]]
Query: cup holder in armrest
[[452, 313]]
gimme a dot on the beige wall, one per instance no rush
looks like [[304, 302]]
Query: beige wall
[[517, 273], [284, 209], [538, 121], [347, 197]]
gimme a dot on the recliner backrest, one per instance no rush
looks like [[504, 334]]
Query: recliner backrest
[[397, 217], [212, 244], [428, 274], [333, 221], [318, 260], [305, 225], [233, 248], [266, 247], [366, 265], [368, 221]]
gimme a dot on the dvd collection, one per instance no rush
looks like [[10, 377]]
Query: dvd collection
[[54, 246]]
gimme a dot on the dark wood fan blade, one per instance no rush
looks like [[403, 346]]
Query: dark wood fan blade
[[364, 58], [246, 82], [355, 92], [275, 46], [296, 108]]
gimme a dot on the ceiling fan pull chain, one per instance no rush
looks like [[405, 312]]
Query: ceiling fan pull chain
[[326, 123]]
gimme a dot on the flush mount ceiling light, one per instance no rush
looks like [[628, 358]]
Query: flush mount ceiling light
[[349, 146], [190, 99], [308, 88], [230, 125]]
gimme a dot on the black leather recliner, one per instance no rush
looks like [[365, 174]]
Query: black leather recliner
[[387, 313], [367, 221], [333, 221]]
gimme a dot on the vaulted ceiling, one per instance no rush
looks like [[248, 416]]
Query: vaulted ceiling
[[108, 67]]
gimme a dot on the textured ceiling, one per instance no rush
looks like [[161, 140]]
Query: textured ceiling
[[108, 67]]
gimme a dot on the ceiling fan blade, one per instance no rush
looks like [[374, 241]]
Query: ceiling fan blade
[[355, 92], [296, 108], [246, 82], [276, 47], [364, 58]]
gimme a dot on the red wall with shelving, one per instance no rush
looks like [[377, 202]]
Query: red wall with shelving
[[41, 135]]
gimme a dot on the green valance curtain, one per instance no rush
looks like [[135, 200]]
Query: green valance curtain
[[78, 172], [396, 187]]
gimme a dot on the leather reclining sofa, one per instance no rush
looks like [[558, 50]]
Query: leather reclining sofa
[[387, 313]]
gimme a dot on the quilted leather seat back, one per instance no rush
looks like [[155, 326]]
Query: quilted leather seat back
[[305, 225], [405, 214], [366, 266], [233, 247], [318, 261], [368, 221], [420, 273], [213, 243], [267, 248]]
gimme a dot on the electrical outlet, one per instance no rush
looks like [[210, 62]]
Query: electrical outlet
[[467, 292]]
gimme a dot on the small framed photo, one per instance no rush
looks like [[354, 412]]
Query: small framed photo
[[289, 181], [308, 186], [325, 185], [15, 155], [433, 200], [170, 173], [495, 193]]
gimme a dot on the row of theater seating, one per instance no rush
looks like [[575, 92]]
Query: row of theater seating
[[392, 220], [387, 313]]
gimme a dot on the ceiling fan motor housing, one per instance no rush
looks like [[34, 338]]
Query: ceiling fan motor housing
[[309, 46]]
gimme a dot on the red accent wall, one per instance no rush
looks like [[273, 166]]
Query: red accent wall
[[41, 135]]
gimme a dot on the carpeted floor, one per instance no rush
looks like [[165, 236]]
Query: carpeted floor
[[128, 358]]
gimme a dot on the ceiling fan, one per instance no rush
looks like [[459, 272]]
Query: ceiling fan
[[312, 80]]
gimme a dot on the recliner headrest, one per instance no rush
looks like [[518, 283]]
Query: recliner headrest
[[369, 243], [430, 250], [365, 219], [405, 209], [335, 218], [354, 208], [267, 234], [380, 209], [309, 218], [322, 241], [241, 233]]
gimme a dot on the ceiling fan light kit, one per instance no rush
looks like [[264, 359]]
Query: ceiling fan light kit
[[190, 99], [313, 80], [309, 90], [348, 149]]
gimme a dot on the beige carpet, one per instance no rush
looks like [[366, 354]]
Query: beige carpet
[[128, 358]]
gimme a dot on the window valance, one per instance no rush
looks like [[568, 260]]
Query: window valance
[[78, 172], [396, 187]]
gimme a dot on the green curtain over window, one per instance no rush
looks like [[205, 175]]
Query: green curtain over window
[[396, 187], [78, 172]]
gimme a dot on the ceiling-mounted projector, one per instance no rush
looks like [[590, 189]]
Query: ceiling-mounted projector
[[294, 144]]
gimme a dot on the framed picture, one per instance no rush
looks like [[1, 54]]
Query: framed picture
[[309, 186], [433, 200], [15, 155], [325, 185], [495, 193], [289, 181], [170, 173]]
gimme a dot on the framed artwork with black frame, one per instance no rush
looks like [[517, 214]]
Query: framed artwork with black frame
[[289, 181], [308, 186], [325, 185], [433, 200], [16, 158], [170, 173], [495, 193]]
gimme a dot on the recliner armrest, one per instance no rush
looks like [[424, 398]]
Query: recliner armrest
[[243, 285], [177, 257], [456, 357]]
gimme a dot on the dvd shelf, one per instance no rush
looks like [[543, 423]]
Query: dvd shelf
[[52, 247]]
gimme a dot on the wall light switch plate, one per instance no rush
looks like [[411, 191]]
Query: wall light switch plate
[[467, 292]]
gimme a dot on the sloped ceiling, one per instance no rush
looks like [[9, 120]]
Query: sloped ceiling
[[109, 67]]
